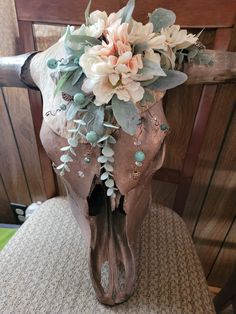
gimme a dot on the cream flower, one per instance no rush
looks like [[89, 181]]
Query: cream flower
[[177, 38], [100, 23], [143, 34], [111, 67]]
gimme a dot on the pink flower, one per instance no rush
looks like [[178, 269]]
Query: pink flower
[[109, 69]]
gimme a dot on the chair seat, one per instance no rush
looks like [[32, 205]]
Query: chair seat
[[43, 269]]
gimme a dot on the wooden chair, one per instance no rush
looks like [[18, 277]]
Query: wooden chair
[[170, 276]]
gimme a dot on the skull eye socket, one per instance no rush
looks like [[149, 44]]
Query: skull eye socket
[[96, 200]]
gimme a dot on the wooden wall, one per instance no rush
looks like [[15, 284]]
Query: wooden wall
[[211, 205]]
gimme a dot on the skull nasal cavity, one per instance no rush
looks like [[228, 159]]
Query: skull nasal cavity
[[96, 200]]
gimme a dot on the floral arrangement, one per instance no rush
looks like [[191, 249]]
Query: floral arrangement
[[111, 64]]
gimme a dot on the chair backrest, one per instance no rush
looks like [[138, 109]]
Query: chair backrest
[[217, 16]]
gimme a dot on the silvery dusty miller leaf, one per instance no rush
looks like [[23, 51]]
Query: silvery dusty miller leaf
[[126, 115], [173, 79], [161, 18]]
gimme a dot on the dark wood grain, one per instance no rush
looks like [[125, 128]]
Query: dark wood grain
[[10, 166], [219, 207], [201, 13], [18, 106], [6, 215], [226, 257]]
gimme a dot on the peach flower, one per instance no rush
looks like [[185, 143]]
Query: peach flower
[[109, 69]]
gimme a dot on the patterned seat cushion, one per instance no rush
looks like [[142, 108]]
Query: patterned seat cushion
[[44, 267]]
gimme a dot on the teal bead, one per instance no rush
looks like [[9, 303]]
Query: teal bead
[[91, 137], [79, 98], [163, 127], [87, 160], [139, 156], [52, 64], [63, 107]]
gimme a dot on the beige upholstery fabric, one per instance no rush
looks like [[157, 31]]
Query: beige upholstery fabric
[[44, 268]]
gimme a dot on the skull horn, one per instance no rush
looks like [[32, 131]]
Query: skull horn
[[15, 71]]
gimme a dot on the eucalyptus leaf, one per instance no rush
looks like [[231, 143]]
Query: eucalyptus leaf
[[109, 125], [102, 159], [111, 140], [81, 122], [109, 183], [161, 18], [173, 79], [102, 139], [128, 11], [73, 142], [108, 167], [110, 191], [107, 151], [110, 159], [104, 176], [66, 168], [72, 151], [126, 115], [61, 166], [64, 149], [65, 158], [94, 119]]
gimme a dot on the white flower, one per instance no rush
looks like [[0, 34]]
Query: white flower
[[177, 38], [111, 68], [143, 34], [100, 23]]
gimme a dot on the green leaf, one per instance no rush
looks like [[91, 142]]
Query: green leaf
[[76, 42], [71, 112], [108, 167], [107, 151], [153, 68], [109, 183], [105, 137], [86, 12], [104, 176], [111, 140], [64, 78], [64, 149], [140, 48], [126, 115], [109, 125], [61, 166], [173, 79], [72, 151], [110, 191], [65, 158], [148, 82], [76, 76], [161, 18], [110, 159], [148, 97], [128, 11], [68, 68], [73, 142], [94, 119], [102, 159]]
